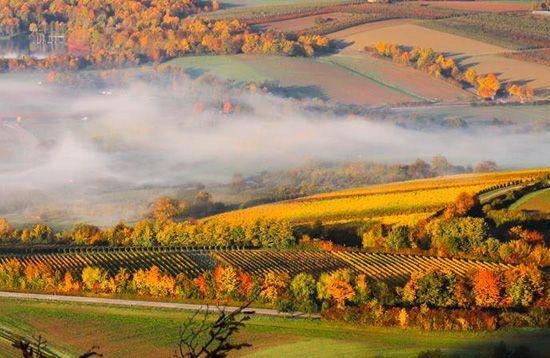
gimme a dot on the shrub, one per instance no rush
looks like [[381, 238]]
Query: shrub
[[398, 238]]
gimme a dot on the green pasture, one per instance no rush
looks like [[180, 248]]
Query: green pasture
[[121, 332]]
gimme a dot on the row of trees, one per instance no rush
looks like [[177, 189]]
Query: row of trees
[[439, 66], [521, 286], [316, 177], [148, 232], [463, 230]]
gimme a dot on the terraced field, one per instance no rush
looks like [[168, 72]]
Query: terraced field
[[391, 203]]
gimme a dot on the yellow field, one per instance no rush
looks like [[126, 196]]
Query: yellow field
[[405, 202]]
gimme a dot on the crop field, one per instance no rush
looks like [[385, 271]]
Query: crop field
[[416, 84], [537, 201], [345, 78], [397, 268], [394, 268], [146, 332], [258, 262], [482, 56], [304, 77], [190, 262], [511, 30], [488, 6], [300, 23], [524, 115], [247, 3], [379, 201]]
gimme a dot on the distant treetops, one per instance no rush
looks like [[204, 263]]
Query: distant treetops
[[436, 64], [124, 32]]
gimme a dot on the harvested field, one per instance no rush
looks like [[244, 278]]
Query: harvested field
[[409, 33], [483, 57], [348, 78], [488, 6], [304, 77], [300, 23], [328, 81], [405, 78]]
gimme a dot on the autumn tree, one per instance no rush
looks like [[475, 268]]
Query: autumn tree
[[435, 288], [470, 76], [85, 234], [487, 287], [227, 281], [274, 285], [523, 285], [462, 205], [6, 230], [336, 287], [94, 279], [487, 86], [165, 208], [398, 238], [303, 289]]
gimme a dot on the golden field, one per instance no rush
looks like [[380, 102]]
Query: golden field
[[404, 202]]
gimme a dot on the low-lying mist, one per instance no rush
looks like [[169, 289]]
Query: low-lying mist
[[101, 155]]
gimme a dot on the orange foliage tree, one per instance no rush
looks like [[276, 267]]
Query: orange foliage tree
[[487, 287], [487, 86]]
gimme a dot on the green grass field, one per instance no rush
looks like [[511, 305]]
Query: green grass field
[[537, 201], [144, 332]]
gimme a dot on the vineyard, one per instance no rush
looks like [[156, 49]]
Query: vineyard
[[390, 203], [394, 268], [397, 267], [173, 261], [511, 30]]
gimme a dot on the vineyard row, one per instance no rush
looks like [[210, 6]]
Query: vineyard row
[[381, 266]]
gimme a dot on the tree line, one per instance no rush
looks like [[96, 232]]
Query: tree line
[[426, 300], [466, 229], [441, 67]]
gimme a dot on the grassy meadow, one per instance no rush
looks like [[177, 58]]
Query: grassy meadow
[[537, 201]]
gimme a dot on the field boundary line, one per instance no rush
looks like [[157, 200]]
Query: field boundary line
[[375, 80]]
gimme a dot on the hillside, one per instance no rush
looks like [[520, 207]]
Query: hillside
[[404, 202]]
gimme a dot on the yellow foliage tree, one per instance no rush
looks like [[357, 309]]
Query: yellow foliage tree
[[487, 86]]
